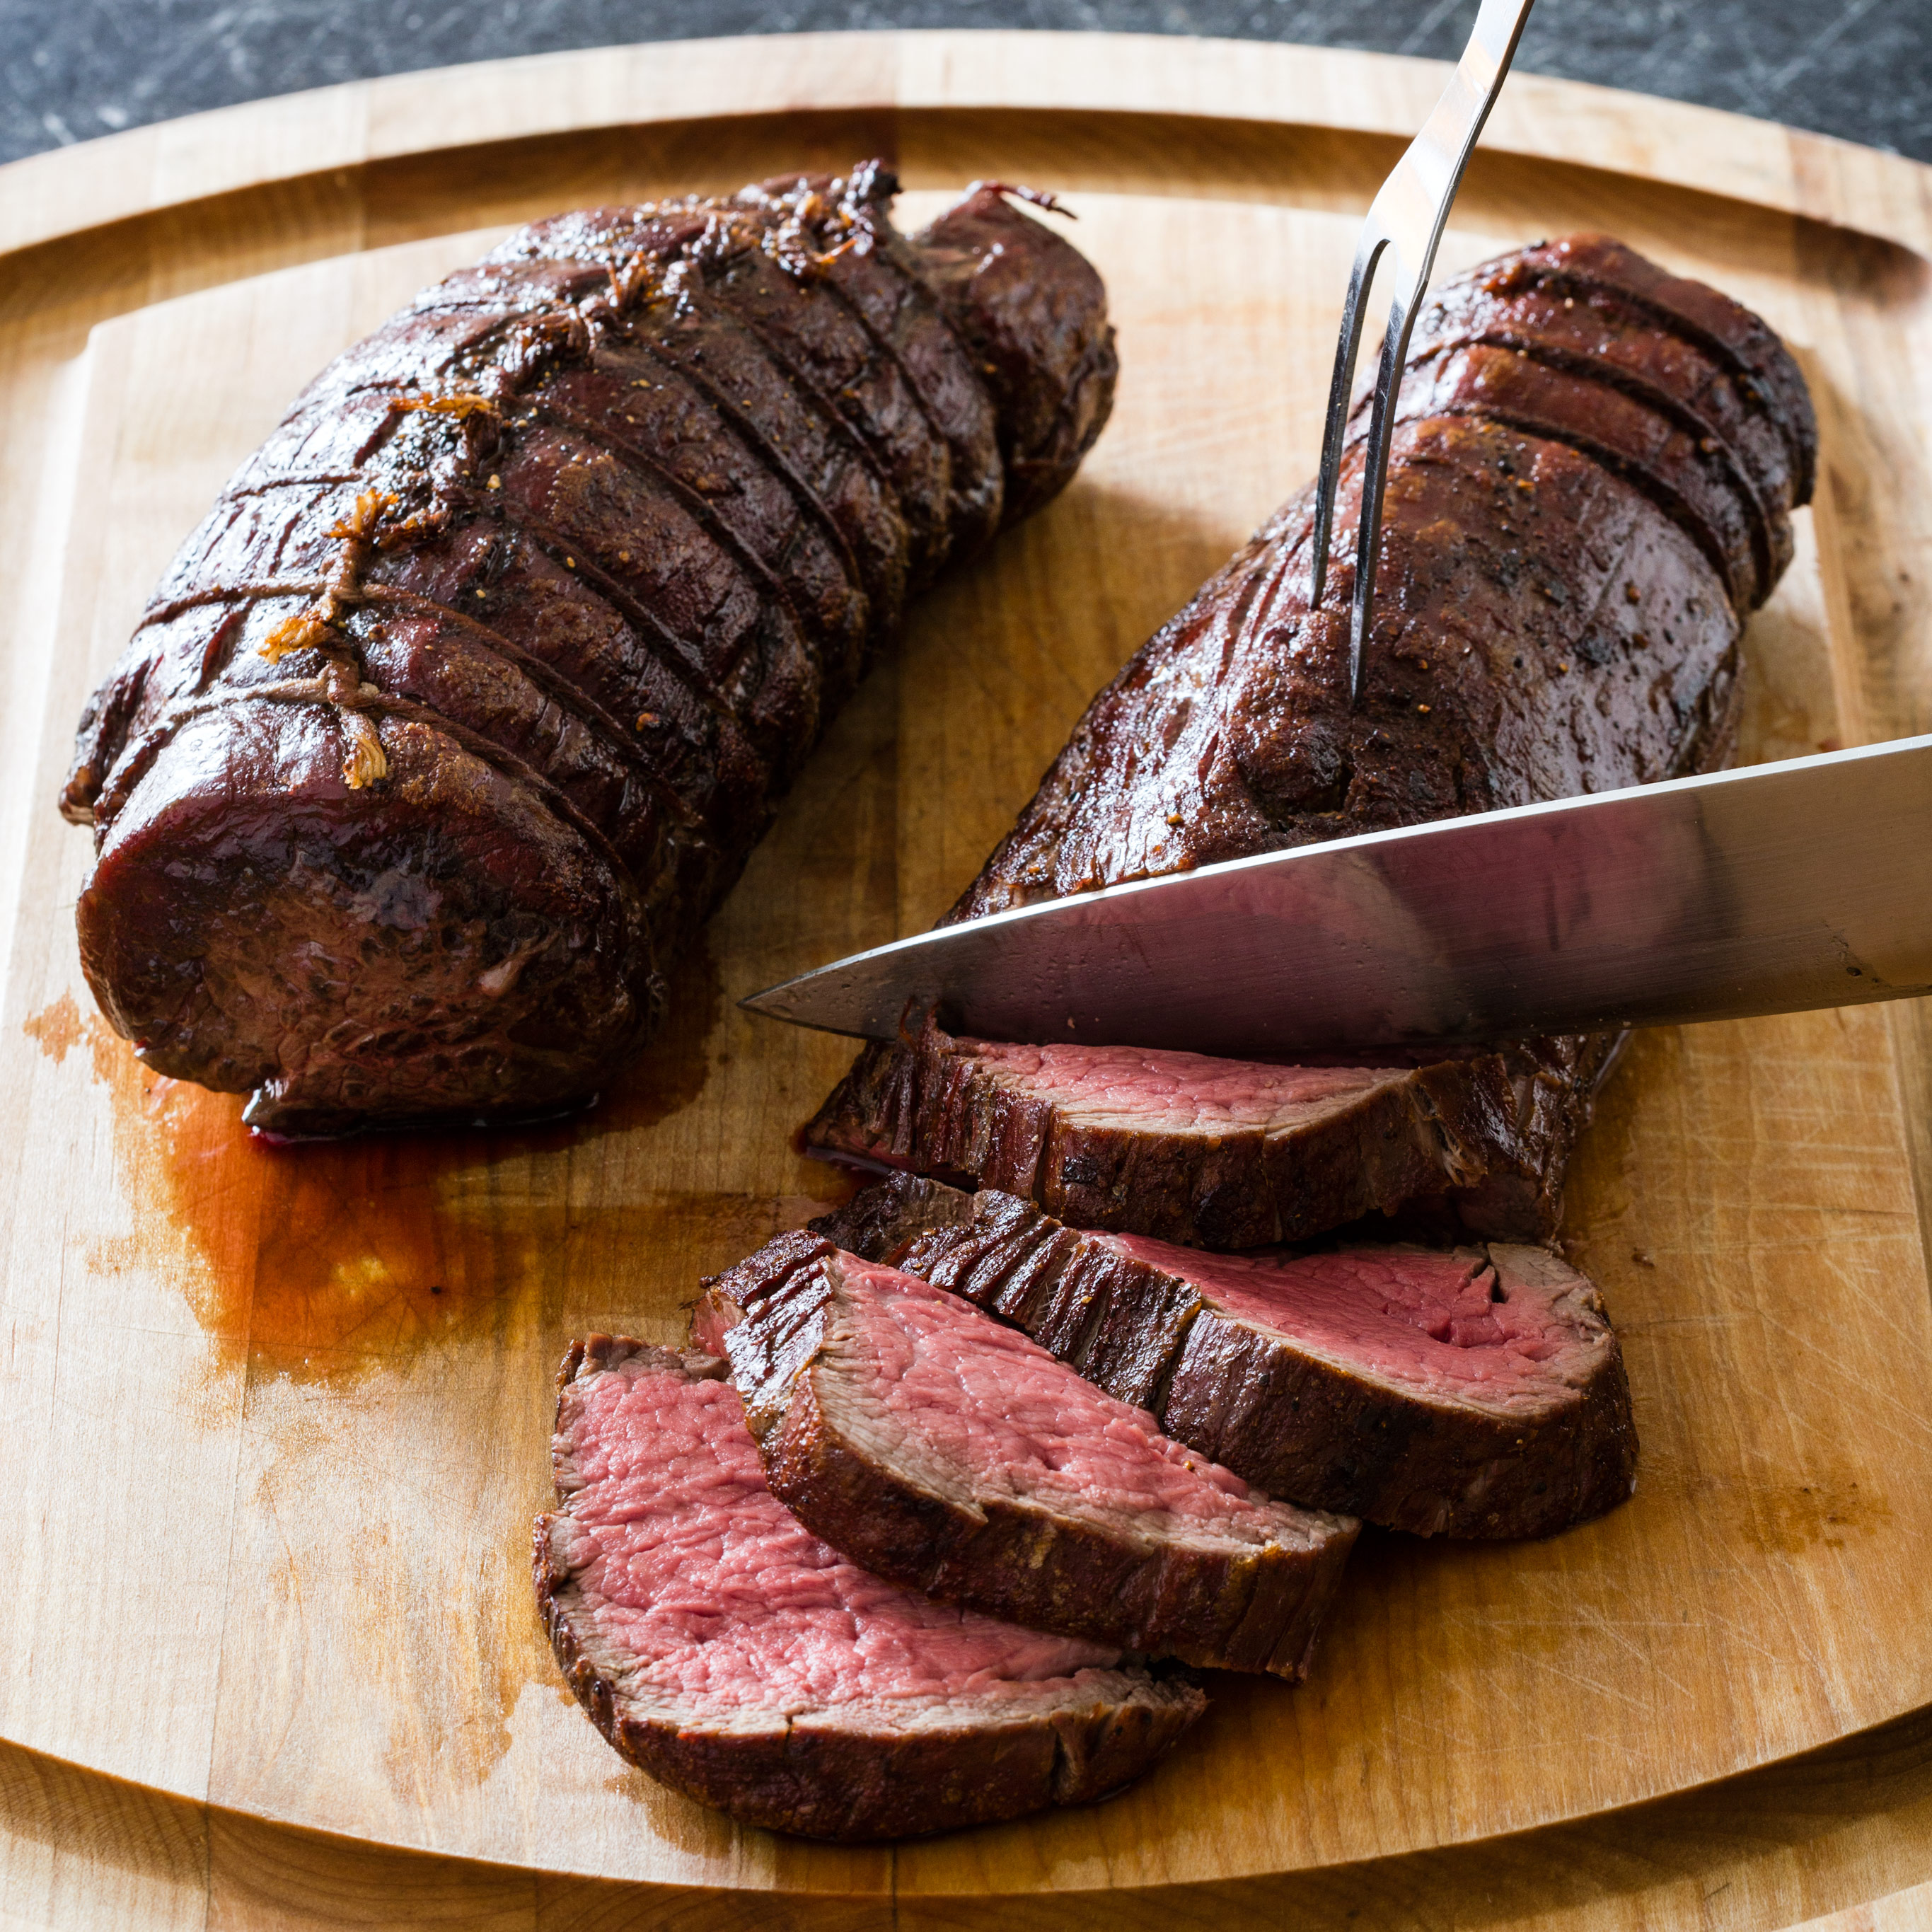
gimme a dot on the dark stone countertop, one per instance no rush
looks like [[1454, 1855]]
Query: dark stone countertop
[[1862, 69]]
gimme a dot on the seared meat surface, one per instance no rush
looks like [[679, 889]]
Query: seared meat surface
[[1224, 1154], [1589, 490], [464, 705]]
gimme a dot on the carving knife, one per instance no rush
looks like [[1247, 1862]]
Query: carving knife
[[1779, 888]]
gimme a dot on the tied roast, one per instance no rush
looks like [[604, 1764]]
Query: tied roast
[[463, 708]]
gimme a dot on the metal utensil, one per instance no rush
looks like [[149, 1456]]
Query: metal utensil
[[1774, 889], [1406, 221]]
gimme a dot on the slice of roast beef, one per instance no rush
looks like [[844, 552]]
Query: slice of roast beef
[[720, 1645], [941, 1448], [1478, 1392], [1222, 1154], [463, 708], [1590, 487]]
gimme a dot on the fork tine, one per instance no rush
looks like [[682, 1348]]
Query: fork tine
[[1341, 385], [1375, 473], [1409, 212]]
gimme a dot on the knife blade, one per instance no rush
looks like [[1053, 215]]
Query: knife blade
[[1779, 888]]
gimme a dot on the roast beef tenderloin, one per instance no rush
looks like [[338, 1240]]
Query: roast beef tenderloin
[[1591, 486], [1478, 1392], [941, 1448], [719, 1645], [1223, 1153], [1558, 609], [464, 707]]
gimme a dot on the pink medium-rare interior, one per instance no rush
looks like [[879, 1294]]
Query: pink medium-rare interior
[[718, 1590], [983, 1399], [1141, 1086], [1426, 1320]]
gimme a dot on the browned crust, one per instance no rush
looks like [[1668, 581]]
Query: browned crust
[[1297, 1425], [1122, 1324], [1553, 1084], [1591, 484], [821, 1779], [1289, 1421], [785, 412], [1492, 1132], [1251, 1608]]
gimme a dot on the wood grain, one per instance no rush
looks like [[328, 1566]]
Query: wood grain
[[275, 1421]]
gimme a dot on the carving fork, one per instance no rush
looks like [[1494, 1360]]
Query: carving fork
[[1405, 219]]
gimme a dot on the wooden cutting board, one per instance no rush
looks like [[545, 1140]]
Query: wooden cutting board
[[275, 1421]]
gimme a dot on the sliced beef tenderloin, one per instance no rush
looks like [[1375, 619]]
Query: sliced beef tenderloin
[[1477, 1392], [944, 1450], [1591, 485], [620, 514], [1223, 1153], [720, 1646]]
